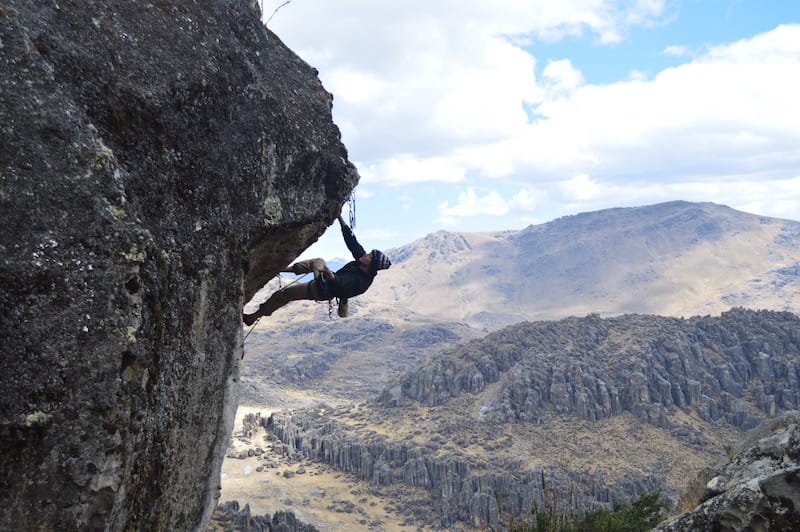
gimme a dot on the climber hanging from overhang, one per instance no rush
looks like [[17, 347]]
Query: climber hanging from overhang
[[352, 279]]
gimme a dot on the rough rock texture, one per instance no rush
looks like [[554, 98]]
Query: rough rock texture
[[229, 517], [355, 357], [741, 368], [158, 162], [758, 490]]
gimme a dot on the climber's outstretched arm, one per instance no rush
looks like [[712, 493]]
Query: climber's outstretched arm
[[350, 240]]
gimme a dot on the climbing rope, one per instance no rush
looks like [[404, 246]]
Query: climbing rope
[[253, 326], [325, 292], [276, 10]]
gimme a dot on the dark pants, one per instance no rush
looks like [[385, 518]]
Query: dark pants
[[295, 292]]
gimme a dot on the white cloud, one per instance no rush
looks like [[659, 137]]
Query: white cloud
[[637, 75], [438, 92], [406, 168], [365, 193], [429, 77], [676, 50], [727, 112], [526, 200], [440, 117], [482, 101], [774, 197], [580, 189], [470, 204], [359, 88], [560, 78]]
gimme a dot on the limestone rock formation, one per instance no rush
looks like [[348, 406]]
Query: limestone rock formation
[[229, 517], [759, 489], [355, 357], [741, 368], [159, 161], [463, 487]]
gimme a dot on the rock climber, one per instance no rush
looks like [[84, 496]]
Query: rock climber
[[352, 279]]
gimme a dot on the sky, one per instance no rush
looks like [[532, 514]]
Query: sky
[[491, 115]]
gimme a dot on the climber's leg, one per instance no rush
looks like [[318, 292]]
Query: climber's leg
[[314, 266], [280, 298]]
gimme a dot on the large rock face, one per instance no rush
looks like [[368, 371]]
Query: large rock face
[[159, 161]]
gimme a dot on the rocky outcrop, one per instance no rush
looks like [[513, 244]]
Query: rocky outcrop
[[159, 162], [740, 368], [228, 517], [759, 489], [462, 487]]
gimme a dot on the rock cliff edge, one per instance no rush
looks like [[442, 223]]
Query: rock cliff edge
[[159, 161]]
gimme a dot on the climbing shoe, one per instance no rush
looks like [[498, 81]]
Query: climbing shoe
[[250, 319]]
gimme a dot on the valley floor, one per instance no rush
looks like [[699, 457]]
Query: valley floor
[[316, 493]]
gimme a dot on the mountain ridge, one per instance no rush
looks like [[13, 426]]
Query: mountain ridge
[[676, 258]]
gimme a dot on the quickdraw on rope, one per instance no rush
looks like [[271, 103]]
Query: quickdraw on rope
[[351, 203], [326, 293]]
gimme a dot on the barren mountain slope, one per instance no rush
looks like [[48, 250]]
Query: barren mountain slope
[[672, 259], [300, 348]]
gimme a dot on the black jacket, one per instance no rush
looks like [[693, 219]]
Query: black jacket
[[349, 280]]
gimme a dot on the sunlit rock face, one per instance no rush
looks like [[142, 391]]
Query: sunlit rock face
[[757, 489], [158, 162]]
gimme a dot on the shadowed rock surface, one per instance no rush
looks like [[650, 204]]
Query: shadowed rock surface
[[160, 162]]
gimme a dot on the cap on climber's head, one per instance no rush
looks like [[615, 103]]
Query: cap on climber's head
[[379, 261]]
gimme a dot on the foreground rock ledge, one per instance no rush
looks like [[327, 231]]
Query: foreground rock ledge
[[158, 162], [759, 489]]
